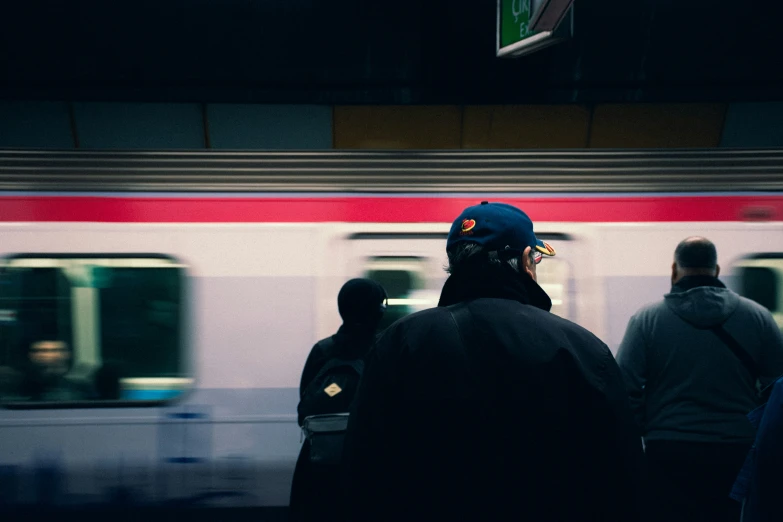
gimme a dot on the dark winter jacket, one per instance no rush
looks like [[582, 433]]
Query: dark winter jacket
[[684, 382], [540, 431]]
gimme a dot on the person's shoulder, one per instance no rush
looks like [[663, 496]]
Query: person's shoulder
[[588, 352], [324, 343], [421, 319], [649, 314], [750, 305], [762, 316], [551, 331], [571, 330], [322, 349], [650, 309]]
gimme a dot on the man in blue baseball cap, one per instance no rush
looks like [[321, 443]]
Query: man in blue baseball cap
[[498, 227], [493, 235], [489, 407]]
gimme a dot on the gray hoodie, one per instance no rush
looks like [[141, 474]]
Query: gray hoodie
[[683, 381]]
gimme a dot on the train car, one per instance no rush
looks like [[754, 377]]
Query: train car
[[177, 295]]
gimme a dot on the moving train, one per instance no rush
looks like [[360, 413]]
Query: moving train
[[203, 279]]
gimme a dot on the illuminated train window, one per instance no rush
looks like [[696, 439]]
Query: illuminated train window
[[761, 279], [404, 279], [552, 275], [90, 330]]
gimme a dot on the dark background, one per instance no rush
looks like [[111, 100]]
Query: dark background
[[401, 52]]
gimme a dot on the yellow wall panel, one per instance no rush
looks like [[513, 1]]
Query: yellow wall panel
[[657, 125], [525, 127], [397, 127]]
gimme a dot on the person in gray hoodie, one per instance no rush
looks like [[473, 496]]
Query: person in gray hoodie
[[690, 392]]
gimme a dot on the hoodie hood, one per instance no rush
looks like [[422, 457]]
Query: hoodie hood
[[361, 303], [702, 301]]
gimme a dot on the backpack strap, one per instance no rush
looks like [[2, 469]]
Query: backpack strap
[[738, 351], [356, 364], [322, 352]]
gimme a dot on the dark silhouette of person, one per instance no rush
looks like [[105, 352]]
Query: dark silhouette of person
[[316, 492]]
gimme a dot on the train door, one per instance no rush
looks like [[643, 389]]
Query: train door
[[410, 267]]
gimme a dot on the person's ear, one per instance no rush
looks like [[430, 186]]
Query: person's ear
[[527, 263], [717, 270]]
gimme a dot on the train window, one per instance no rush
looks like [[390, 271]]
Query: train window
[[405, 281], [552, 275], [761, 279], [86, 330], [404, 278], [761, 284]]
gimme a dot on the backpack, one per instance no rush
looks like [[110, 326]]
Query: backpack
[[324, 406]]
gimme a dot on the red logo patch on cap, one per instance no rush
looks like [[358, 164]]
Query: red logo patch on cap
[[467, 225]]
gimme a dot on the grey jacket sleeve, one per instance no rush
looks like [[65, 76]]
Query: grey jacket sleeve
[[632, 359]]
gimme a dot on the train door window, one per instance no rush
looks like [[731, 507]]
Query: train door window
[[410, 267], [761, 279], [553, 277], [404, 278], [82, 330]]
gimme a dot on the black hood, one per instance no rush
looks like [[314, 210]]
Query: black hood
[[361, 302], [498, 281]]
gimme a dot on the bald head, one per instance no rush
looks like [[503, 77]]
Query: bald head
[[696, 252], [695, 256]]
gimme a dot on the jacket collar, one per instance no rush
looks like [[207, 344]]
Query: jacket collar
[[500, 282], [694, 281]]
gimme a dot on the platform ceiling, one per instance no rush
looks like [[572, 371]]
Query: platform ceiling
[[402, 52]]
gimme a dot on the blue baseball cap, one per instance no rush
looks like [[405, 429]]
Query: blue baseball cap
[[496, 227]]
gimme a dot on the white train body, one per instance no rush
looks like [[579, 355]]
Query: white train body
[[261, 275]]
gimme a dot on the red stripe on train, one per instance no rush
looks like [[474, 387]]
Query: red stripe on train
[[417, 209]]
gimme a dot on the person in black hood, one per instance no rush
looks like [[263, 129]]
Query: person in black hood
[[361, 303], [315, 492], [488, 407]]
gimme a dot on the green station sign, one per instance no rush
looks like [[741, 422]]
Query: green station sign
[[514, 18], [514, 37]]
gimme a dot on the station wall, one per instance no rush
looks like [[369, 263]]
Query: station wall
[[187, 126]]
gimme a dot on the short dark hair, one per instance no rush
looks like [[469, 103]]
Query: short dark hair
[[472, 255], [696, 252]]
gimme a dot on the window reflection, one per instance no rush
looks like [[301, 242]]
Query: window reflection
[[404, 278], [90, 328]]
